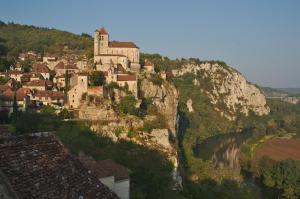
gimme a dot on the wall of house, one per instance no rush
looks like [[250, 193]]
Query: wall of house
[[79, 86], [108, 181], [122, 189], [105, 61], [132, 86]]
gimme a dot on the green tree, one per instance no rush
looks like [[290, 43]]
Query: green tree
[[97, 78], [128, 105], [48, 110]]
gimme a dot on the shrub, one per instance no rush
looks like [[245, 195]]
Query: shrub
[[127, 105], [97, 78]]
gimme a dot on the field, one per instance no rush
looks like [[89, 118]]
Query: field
[[280, 149]]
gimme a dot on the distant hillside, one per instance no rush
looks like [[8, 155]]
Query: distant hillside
[[290, 91], [273, 92], [280, 92], [19, 38]]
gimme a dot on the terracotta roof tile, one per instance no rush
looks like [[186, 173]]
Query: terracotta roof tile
[[104, 168], [120, 172], [102, 31], [40, 167], [121, 44], [36, 83], [126, 78], [40, 68]]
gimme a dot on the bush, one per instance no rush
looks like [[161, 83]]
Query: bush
[[127, 105], [97, 78]]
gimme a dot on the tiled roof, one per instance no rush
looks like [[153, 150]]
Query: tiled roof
[[21, 93], [121, 44], [89, 163], [126, 78], [54, 95], [39, 167], [40, 68], [104, 168], [15, 72], [102, 31], [36, 83], [120, 172], [111, 55], [4, 88], [59, 65]]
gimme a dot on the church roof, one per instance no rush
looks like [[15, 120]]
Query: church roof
[[122, 44], [102, 31]]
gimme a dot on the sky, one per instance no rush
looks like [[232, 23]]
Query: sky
[[260, 38]]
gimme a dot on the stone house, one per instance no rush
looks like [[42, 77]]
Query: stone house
[[39, 166], [31, 76], [48, 98], [49, 58], [111, 174], [22, 96], [149, 67], [122, 78], [16, 75], [39, 85], [61, 68], [78, 86], [41, 69], [60, 81], [108, 53]]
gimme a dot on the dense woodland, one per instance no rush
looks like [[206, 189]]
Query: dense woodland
[[150, 170], [16, 38]]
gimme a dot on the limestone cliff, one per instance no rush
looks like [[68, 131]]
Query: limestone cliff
[[164, 97], [226, 88]]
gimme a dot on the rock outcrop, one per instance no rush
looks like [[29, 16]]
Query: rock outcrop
[[226, 88], [164, 97]]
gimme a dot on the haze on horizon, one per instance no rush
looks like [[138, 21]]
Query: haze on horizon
[[260, 38]]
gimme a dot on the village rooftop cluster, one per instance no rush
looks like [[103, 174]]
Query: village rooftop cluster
[[61, 81]]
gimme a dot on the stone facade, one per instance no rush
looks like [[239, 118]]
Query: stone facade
[[78, 85], [110, 53]]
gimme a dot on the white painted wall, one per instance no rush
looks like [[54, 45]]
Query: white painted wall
[[121, 188]]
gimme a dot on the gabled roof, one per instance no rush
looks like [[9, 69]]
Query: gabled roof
[[61, 65], [39, 166], [104, 168], [40, 68], [126, 78], [21, 93], [122, 44], [4, 88], [102, 31], [120, 172], [54, 95], [36, 83]]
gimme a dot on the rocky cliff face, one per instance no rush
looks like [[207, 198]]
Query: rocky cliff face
[[164, 97], [226, 88]]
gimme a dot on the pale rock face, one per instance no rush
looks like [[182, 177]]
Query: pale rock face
[[165, 98], [161, 137], [189, 105], [229, 87]]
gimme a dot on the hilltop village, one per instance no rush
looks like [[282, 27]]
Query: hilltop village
[[61, 81]]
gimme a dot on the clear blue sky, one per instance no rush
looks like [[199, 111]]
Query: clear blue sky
[[260, 38]]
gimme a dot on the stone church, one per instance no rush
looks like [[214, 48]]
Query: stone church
[[109, 54]]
